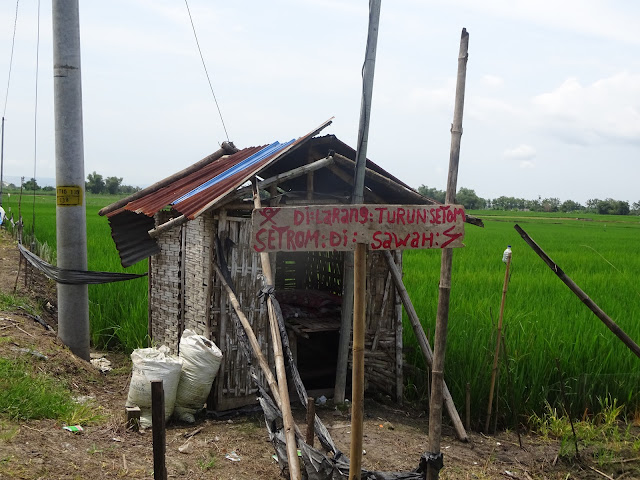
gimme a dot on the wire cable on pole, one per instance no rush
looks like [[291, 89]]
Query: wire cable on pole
[[6, 98], [205, 70], [13, 42], [35, 126]]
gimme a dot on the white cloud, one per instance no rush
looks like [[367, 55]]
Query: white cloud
[[522, 152], [492, 81], [607, 109], [526, 164]]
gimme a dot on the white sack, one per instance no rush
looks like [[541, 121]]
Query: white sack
[[150, 364], [201, 360]]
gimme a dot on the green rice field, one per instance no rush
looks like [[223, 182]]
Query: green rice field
[[117, 311], [545, 325]]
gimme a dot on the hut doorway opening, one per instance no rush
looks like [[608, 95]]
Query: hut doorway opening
[[309, 289]]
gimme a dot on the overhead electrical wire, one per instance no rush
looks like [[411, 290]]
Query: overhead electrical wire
[[205, 70], [13, 42], [35, 125], [6, 98]]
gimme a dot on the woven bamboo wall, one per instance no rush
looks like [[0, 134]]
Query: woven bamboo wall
[[192, 301], [198, 273], [164, 292], [234, 386]]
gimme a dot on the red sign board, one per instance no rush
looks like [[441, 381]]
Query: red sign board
[[382, 227]]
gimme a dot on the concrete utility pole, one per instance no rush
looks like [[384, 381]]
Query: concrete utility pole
[[71, 222]]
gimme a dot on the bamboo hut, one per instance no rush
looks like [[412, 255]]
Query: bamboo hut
[[175, 223]]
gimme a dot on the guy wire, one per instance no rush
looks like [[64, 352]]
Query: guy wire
[[205, 70]]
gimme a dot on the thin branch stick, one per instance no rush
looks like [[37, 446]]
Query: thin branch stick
[[494, 370]]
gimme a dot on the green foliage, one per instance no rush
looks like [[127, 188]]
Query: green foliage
[[30, 184], [112, 184], [208, 462], [26, 395], [543, 319], [117, 311], [432, 193], [95, 183]]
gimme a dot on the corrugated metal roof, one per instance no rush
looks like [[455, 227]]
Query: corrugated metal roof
[[191, 195]]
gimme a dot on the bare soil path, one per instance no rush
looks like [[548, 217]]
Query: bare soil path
[[394, 437]]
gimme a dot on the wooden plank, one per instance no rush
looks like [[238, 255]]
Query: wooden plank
[[339, 228]]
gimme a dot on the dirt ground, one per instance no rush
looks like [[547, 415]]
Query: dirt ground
[[394, 437]]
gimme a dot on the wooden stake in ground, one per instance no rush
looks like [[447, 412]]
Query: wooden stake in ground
[[287, 417], [159, 434], [496, 354], [442, 317]]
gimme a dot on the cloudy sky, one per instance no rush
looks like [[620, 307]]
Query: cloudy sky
[[552, 104]]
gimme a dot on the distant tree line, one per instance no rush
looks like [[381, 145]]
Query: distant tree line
[[95, 184], [471, 201]]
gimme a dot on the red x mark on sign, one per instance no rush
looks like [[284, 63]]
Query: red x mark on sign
[[268, 214]]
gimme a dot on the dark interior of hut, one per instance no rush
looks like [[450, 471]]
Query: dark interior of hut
[[308, 288]]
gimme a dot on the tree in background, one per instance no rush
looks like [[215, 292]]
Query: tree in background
[[95, 183], [570, 206], [112, 184], [432, 193], [550, 204], [31, 185], [469, 199]]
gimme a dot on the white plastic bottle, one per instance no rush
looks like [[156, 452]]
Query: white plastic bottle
[[506, 254]]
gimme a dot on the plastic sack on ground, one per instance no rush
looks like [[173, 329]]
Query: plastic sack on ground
[[150, 364], [201, 360]]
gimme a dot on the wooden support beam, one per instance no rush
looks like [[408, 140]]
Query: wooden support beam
[[348, 178], [282, 177], [424, 343], [381, 179]]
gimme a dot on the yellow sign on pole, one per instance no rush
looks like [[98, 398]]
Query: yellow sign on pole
[[69, 196]]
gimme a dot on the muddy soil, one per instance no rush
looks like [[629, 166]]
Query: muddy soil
[[237, 447]]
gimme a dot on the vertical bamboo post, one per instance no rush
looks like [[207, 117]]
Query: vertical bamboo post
[[159, 433], [287, 417], [357, 379], [494, 369], [442, 317]]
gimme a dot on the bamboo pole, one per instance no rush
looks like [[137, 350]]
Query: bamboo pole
[[424, 343], [253, 341], [357, 374], [611, 325], [287, 417], [442, 317], [494, 369]]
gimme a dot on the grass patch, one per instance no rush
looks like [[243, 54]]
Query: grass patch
[[26, 395], [10, 302]]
